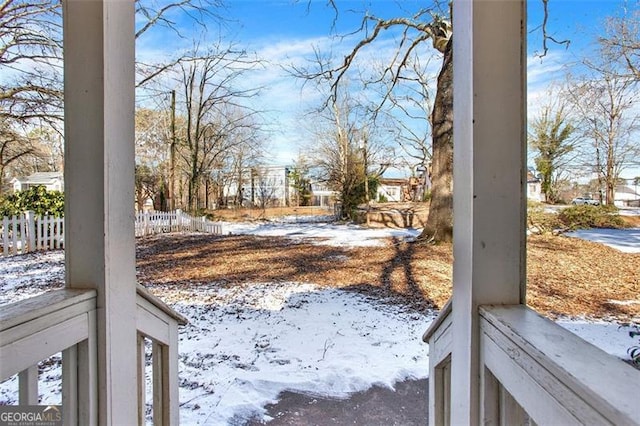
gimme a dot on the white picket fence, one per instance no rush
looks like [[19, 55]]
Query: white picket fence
[[155, 222], [28, 232]]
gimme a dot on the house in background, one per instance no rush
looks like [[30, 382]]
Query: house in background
[[264, 186], [53, 181], [400, 190], [534, 186], [392, 190], [270, 186], [322, 195], [627, 196]]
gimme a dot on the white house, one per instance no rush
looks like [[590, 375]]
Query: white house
[[53, 181], [392, 190], [534, 187], [322, 195], [270, 186], [627, 196], [267, 186]]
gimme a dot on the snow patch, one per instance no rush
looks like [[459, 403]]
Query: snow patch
[[626, 240], [245, 344]]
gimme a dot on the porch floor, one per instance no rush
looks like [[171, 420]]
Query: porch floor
[[378, 406]]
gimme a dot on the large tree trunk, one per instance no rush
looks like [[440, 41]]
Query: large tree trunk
[[439, 226]]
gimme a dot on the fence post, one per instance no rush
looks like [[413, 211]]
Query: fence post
[[178, 220], [5, 236], [146, 224], [60, 233], [38, 234], [15, 237], [30, 218]]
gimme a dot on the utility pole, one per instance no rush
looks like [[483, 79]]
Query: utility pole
[[172, 154], [366, 177]]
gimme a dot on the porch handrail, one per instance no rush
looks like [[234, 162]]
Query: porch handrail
[[437, 322], [534, 372], [64, 320], [553, 374], [36, 328], [157, 323]]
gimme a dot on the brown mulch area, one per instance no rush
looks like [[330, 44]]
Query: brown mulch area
[[566, 276]]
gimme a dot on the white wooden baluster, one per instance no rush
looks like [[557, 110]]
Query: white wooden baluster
[[70, 385], [160, 380], [87, 359], [28, 386], [142, 382]]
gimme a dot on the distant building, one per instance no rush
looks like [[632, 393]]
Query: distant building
[[53, 181], [270, 186], [627, 196], [534, 187], [322, 195], [262, 186], [393, 190], [401, 190]]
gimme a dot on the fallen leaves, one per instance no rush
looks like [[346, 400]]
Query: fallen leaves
[[565, 276]]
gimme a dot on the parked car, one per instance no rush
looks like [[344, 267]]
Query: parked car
[[578, 201]]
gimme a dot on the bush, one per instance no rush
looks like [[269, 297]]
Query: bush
[[36, 199], [540, 219], [586, 216]]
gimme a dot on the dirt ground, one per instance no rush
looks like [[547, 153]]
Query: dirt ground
[[633, 221], [566, 276], [406, 405], [245, 214]]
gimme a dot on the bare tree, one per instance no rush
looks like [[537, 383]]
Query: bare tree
[[152, 151], [31, 49], [265, 187], [230, 176], [603, 100], [215, 119], [427, 25], [409, 115], [346, 153], [13, 148], [621, 41], [31, 53]]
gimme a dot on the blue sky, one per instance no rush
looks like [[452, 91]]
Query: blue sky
[[287, 31]]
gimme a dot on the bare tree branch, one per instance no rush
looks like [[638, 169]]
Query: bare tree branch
[[545, 35]]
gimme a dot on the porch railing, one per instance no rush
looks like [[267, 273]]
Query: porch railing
[[34, 329], [534, 372], [158, 324], [64, 321]]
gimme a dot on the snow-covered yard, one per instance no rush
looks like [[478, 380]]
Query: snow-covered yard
[[245, 344], [625, 240]]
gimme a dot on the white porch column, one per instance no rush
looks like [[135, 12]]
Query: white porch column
[[99, 164], [489, 179]]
